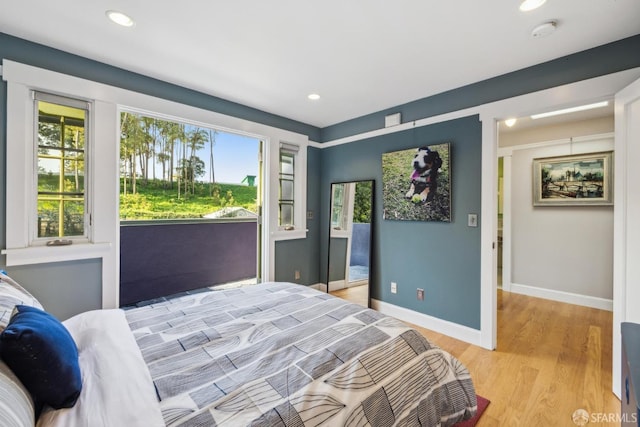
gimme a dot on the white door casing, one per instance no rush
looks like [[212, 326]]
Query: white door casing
[[626, 228]]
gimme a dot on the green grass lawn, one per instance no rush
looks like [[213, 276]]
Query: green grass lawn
[[156, 201]]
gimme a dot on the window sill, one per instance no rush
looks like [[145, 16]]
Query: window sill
[[289, 234], [45, 254], [340, 234]]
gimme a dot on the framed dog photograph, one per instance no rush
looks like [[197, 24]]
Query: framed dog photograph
[[579, 180], [416, 184]]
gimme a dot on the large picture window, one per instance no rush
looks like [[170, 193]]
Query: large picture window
[[175, 170], [61, 206]]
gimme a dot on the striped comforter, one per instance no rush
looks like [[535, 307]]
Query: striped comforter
[[279, 354]]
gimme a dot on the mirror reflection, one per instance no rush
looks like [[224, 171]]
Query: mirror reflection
[[350, 240]]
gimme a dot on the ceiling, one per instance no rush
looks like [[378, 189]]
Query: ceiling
[[361, 56], [526, 122]]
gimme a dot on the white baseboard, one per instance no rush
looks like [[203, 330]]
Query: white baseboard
[[561, 296], [454, 330], [319, 287], [336, 285]]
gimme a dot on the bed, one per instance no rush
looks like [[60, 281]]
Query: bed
[[274, 354]]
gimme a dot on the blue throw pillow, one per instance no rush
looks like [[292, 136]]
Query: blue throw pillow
[[42, 354]]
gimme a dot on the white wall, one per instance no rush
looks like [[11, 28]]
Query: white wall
[[559, 250]]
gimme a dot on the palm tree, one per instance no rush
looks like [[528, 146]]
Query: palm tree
[[197, 139], [146, 145], [131, 135], [212, 176]]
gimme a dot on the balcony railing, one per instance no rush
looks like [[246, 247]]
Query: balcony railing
[[160, 258]]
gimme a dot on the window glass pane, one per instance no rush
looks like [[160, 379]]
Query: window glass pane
[[338, 216], [73, 217], [286, 214], [48, 218], [286, 190], [61, 170], [286, 163], [287, 194]]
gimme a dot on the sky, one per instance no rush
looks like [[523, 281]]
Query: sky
[[234, 157]]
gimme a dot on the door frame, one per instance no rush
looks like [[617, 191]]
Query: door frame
[[625, 273], [583, 92]]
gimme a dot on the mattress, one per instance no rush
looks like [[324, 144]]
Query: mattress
[[280, 354]]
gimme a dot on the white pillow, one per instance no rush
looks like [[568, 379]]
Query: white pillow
[[117, 389], [16, 406], [12, 294]]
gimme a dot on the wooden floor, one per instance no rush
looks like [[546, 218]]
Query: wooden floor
[[552, 359], [356, 294]]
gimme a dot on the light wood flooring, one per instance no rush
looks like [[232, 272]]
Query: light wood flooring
[[356, 294], [552, 358]]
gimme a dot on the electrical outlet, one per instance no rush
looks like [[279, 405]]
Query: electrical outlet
[[394, 288], [420, 294], [297, 275]]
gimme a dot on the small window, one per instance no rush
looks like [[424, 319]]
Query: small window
[[339, 208], [61, 208], [286, 199]]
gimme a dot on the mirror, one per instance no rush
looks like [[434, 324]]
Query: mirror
[[350, 237]]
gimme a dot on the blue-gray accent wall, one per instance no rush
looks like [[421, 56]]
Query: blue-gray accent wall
[[441, 258], [64, 288]]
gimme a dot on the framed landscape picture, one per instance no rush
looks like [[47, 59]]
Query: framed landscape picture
[[416, 184], [583, 179]]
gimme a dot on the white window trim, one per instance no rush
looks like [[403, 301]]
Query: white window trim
[[87, 236], [347, 212], [107, 101], [299, 230], [21, 248]]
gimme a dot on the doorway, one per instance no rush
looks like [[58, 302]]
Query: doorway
[[582, 92], [531, 236]]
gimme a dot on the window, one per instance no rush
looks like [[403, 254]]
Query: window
[[61, 205], [171, 169], [286, 198], [51, 176], [100, 176], [339, 209]]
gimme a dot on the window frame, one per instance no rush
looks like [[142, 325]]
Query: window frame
[[77, 103], [298, 229], [21, 172], [290, 151], [346, 210]]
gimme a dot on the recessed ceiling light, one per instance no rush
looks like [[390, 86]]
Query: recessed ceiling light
[[510, 122], [119, 18], [570, 110], [313, 96], [528, 5]]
